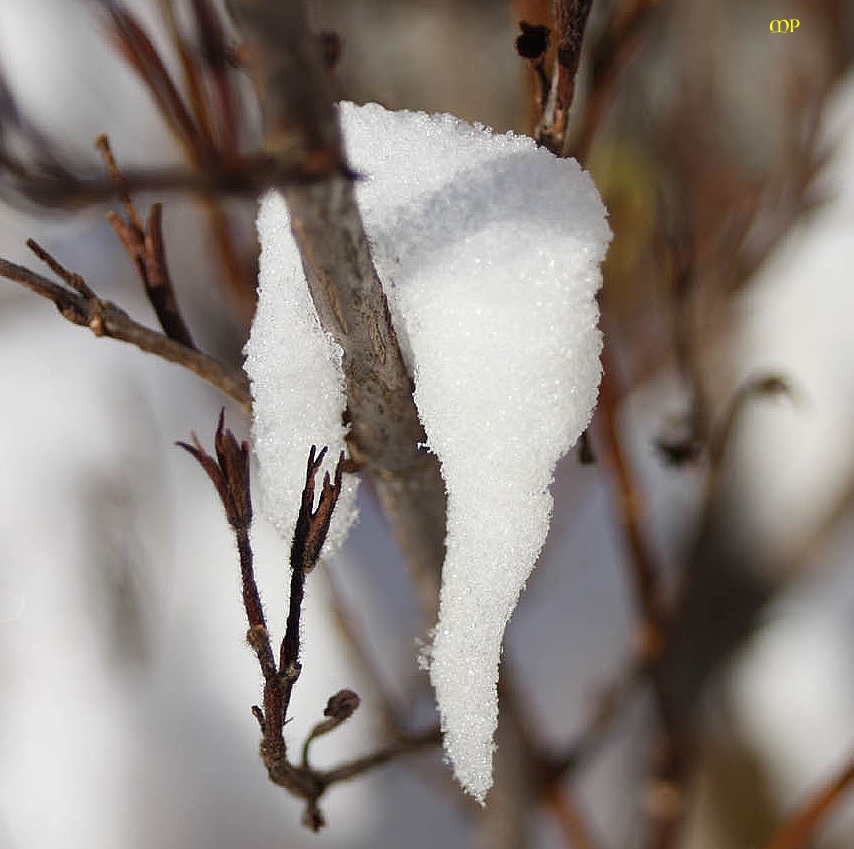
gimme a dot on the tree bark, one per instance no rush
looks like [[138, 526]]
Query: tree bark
[[301, 127]]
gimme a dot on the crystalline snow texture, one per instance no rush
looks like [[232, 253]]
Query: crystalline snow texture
[[489, 251], [297, 382]]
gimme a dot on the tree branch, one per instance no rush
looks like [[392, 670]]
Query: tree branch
[[144, 246], [229, 473], [80, 305], [801, 826], [286, 64]]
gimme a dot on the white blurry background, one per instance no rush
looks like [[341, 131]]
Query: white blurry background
[[125, 683]]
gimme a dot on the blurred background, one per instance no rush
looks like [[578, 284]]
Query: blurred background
[[723, 466]]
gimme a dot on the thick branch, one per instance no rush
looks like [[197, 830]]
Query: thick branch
[[287, 67]]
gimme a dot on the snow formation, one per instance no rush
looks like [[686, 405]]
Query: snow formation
[[297, 382], [489, 252]]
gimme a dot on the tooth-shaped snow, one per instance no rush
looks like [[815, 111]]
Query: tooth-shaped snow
[[489, 251]]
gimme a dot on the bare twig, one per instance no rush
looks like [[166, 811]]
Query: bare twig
[[721, 438], [801, 826], [570, 819], [309, 535], [205, 124], [248, 177], [79, 305], [584, 748], [608, 60], [411, 743], [229, 472], [671, 770], [144, 246], [557, 92], [629, 503]]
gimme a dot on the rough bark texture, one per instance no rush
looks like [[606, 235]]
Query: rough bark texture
[[285, 62]]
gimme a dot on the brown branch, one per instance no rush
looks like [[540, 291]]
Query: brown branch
[[589, 743], [569, 818], [286, 64], [247, 177], [146, 250], [721, 438], [309, 535], [205, 122], [229, 473], [557, 93], [571, 22], [79, 305], [609, 58], [671, 769], [629, 503], [406, 745], [801, 826], [137, 48], [215, 56]]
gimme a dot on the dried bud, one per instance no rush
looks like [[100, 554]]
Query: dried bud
[[534, 41], [342, 705]]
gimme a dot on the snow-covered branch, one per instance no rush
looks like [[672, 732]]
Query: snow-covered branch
[[386, 435]]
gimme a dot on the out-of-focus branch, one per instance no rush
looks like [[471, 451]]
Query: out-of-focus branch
[[609, 56], [584, 748], [671, 770], [205, 121], [287, 67], [247, 177], [800, 827], [570, 819], [80, 305]]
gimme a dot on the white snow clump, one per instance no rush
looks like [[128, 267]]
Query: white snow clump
[[297, 382], [489, 249]]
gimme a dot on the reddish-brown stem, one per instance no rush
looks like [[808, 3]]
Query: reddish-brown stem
[[105, 318], [801, 826]]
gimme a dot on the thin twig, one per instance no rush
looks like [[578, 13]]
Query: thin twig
[[609, 58], [569, 818], [229, 472], [629, 503], [584, 748], [205, 121], [81, 306], [406, 745], [144, 246], [570, 21], [672, 767], [246, 177], [312, 526], [801, 826]]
